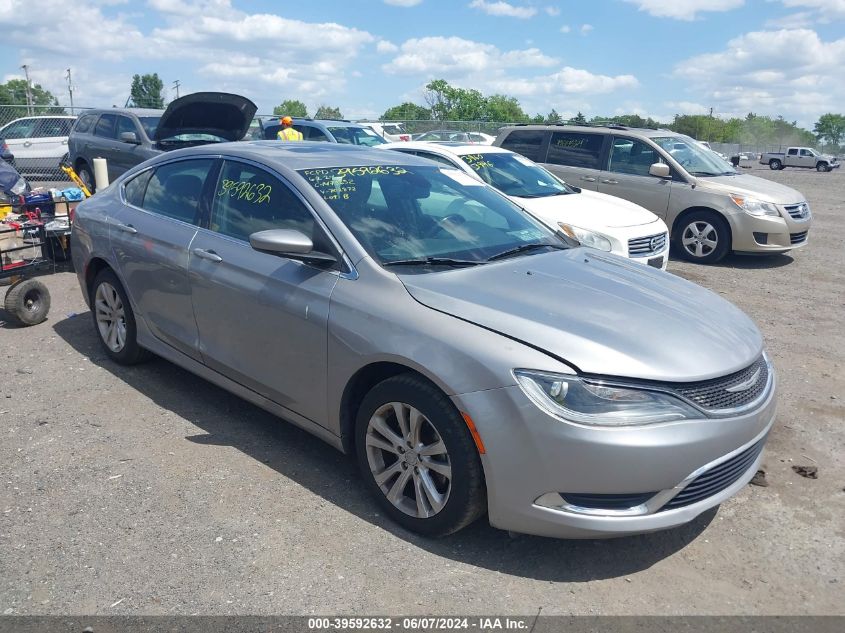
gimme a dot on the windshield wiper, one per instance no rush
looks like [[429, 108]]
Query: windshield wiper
[[523, 248], [434, 261]]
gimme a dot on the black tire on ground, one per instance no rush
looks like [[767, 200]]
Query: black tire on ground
[[775, 164], [706, 226], [28, 301], [87, 176], [821, 167], [467, 498], [130, 353]]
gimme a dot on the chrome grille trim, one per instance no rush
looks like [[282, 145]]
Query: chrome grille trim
[[799, 211], [648, 245], [719, 394], [798, 238]]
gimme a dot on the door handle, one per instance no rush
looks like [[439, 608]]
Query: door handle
[[209, 255], [588, 178], [127, 228], [27, 143], [608, 181]]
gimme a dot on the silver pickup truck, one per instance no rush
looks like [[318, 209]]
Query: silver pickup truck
[[799, 157]]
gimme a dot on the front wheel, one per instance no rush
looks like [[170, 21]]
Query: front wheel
[[418, 458], [775, 164], [703, 237], [821, 167], [114, 320]]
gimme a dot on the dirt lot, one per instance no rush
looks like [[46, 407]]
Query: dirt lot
[[148, 491]]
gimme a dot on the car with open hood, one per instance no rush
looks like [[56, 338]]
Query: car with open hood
[[126, 137], [471, 359]]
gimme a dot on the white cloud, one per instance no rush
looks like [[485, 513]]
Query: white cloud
[[827, 10], [799, 20], [687, 107], [552, 11], [451, 56], [503, 9], [792, 72], [684, 9], [586, 28], [403, 3], [386, 47], [565, 28]]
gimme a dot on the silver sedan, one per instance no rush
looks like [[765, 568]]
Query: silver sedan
[[472, 360]]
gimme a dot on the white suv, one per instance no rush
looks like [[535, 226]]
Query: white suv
[[390, 131], [594, 219], [39, 143]]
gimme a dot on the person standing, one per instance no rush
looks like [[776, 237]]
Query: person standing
[[287, 133]]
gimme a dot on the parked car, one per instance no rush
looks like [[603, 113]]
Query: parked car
[[6, 153], [593, 219], [481, 138], [39, 143], [327, 131], [12, 187], [805, 157], [390, 131], [126, 137], [455, 136], [408, 314], [710, 208]]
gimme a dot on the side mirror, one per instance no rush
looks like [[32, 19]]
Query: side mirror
[[288, 243], [129, 137], [660, 170]]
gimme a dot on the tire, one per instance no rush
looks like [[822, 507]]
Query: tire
[[114, 320], [821, 168], [775, 164], [86, 176], [453, 474], [703, 237], [28, 301]]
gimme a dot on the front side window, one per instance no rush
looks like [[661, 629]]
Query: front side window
[[356, 136], [106, 126], [125, 124], [18, 129], [694, 158], [248, 199], [515, 175], [630, 156], [316, 134], [175, 188], [529, 143], [427, 214], [576, 149]]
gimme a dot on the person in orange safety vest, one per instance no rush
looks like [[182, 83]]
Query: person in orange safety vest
[[287, 133]]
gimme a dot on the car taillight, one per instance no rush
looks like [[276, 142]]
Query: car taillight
[[404, 137]]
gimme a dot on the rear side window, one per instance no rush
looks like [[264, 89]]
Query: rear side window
[[105, 126], [134, 189], [51, 128], [315, 134], [175, 188], [526, 142], [85, 124], [576, 149], [437, 158], [18, 129]]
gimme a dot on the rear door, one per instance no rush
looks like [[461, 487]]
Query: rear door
[[150, 236], [791, 158], [49, 142], [262, 318], [577, 157], [104, 144], [18, 136], [627, 175]]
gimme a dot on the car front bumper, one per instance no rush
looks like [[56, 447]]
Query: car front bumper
[[769, 234], [532, 457]]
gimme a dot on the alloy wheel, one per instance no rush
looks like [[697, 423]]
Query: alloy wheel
[[111, 317], [700, 239], [408, 460]]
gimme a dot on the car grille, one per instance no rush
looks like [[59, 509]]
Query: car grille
[[648, 245], [798, 238], [716, 479], [716, 394], [798, 211]]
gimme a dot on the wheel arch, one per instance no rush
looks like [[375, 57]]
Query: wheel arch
[[95, 266], [683, 215]]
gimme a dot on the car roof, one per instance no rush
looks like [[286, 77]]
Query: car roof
[[447, 147], [595, 129], [331, 122], [135, 111], [45, 116]]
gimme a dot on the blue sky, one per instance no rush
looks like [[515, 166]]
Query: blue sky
[[652, 57]]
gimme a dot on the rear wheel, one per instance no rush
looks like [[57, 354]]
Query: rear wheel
[[703, 237], [775, 164], [114, 320], [28, 301], [417, 457]]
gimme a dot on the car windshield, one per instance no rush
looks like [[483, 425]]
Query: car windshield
[[697, 160], [515, 175], [409, 215], [149, 123], [356, 136]]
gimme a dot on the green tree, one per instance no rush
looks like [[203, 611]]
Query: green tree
[[580, 119], [830, 128], [553, 117], [291, 107], [13, 92], [454, 104], [504, 108], [146, 91], [406, 112], [328, 112]]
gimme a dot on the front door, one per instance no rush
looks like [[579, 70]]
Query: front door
[[262, 318], [150, 238], [627, 175]]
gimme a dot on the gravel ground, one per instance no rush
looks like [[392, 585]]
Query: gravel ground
[[148, 491]]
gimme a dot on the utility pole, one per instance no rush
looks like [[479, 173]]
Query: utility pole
[[28, 91], [70, 89], [176, 85]]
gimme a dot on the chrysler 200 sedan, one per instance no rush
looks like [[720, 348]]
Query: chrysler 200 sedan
[[471, 359]]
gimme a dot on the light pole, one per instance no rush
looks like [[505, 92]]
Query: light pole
[[70, 90], [176, 85], [28, 91]]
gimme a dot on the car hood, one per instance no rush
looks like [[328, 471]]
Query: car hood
[[765, 190], [600, 313], [219, 113], [588, 209]]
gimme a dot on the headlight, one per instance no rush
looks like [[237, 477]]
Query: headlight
[[588, 402], [19, 188], [585, 237], [753, 206]]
